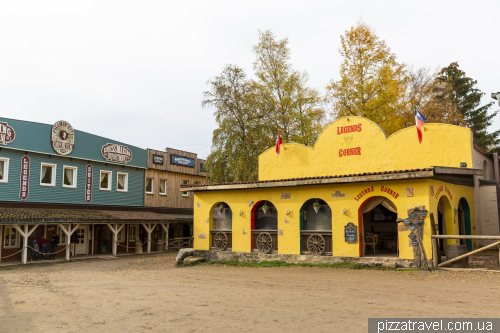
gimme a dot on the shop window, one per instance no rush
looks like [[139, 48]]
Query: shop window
[[4, 170], [105, 180], [149, 186], [133, 233], [120, 237], [48, 175], [316, 215], [69, 176], [266, 216], [122, 182], [222, 217], [163, 187], [185, 193], [62, 236], [11, 237]]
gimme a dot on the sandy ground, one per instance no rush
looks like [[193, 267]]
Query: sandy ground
[[143, 293]]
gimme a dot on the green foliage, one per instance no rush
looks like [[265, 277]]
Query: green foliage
[[467, 98], [249, 112]]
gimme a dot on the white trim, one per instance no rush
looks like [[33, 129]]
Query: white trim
[[122, 234], [163, 193], [125, 185], [75, 176], [185, 193], [5, 170], [110, 180], [17, 238], [54, 168], [130, 233], [58, 228], [152, 185]]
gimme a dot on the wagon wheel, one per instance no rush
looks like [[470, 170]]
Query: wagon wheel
[[265, 242], [220, 241], [316, 244]]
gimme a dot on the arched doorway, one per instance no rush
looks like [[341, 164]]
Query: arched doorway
[[379, 229], [222, 227], [445, 223], [264, 227], [464, 226], [316, 227]]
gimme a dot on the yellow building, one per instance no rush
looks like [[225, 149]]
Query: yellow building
[[347, 196]]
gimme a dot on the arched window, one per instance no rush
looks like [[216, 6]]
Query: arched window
[[265, 227], [266, 216], [316, 215], [222, 219]]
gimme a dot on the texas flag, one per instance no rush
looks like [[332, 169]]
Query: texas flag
[[278, 143], [419, 121]]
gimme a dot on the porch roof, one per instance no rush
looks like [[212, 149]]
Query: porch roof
[[460, 176], [45, 216]]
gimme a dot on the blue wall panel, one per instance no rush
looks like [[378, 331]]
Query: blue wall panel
[[58, 194]]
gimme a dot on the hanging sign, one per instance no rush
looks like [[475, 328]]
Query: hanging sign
[[351, 233], [62, 137], [181, 160], [7, 134], [25, 177], [157, 159], [88, 183], [113, 152]]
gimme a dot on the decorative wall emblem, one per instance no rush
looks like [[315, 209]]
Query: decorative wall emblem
[[62, 137], [88, 183], [25, 178], [7, 134], [116, 153]]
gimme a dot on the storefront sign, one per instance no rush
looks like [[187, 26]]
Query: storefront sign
[[181, 160], [62, 137], [113, 152], [348, 129], [351, 233], [7, 134], [157, 159], [25, 178], [88, 183], [350, 151], [362, 193], [387, 190], [440, 189]]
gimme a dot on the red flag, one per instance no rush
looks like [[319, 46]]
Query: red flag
[[278, 143], [419, 122]]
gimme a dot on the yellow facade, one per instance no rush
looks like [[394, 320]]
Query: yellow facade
[[443, 145]]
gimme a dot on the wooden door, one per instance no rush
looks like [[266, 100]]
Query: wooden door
[[81, 246]]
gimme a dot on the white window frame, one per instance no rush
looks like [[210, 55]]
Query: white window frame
[[120, 237], [54, 168], [75, 175], [61, 235], [125, 185], [163, 193], [136, 234], [17, 238], [185, 193], [110, 180], [5, 170], [152, 185]]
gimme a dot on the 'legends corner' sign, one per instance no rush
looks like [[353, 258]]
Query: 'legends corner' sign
[[113, 152]]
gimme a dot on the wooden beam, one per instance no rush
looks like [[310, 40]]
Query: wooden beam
[[497, 183], [435, 251], [437, 260], [1, 241], [465, 237], [469, 254], [458, 171]]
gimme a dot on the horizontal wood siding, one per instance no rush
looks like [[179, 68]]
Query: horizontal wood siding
[[58, 194], [174, 196]]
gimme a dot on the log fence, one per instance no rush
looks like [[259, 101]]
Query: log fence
[[435, 248]]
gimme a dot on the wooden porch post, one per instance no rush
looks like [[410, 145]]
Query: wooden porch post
[[166, 236], [115, 230], [1, 241], [127, 234], [26, 233], [149, 230], [497, 183], [68, 233], [92, 240]]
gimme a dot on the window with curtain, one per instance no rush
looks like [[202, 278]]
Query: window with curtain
[[62, 235], [69, 177], [185, 193], [105, 182], [47, 177], [317, 217], [149, 185], [133, 232], [2, 168], [10, 237], [163, 186], [222, 217], [122, 182]]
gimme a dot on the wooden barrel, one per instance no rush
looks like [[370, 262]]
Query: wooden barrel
[[456, 251], [160, 246]]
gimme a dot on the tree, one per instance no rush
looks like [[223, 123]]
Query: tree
[[372, 83], [467, 99], [237, 141]]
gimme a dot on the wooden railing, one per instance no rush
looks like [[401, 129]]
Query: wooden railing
[[179, 243], [436, 257]]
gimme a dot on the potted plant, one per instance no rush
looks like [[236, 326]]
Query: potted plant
[[265, 207], [316, 206], [221, 208]]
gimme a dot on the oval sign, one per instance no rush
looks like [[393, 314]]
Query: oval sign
[[113, 152], [7, 134], [62, 137]]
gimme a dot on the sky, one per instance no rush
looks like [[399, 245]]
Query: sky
[[135, 71]]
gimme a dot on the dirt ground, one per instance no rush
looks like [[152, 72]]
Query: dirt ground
[[143, 293]]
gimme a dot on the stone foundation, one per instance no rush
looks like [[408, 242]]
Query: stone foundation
[[213, 255]]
